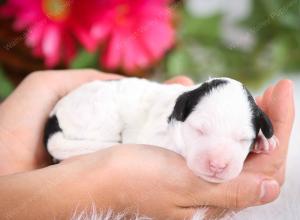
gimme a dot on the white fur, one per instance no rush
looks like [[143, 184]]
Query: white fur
[[214, 139]]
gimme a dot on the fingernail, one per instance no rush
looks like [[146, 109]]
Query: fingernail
[[269, 190]]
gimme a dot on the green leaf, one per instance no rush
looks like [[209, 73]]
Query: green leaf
[[201, 50], [6, 86], [205, 29], [292, 43], [85, 59], [178, 62], [290, 21]]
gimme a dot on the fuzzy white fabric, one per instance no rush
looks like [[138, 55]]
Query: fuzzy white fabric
[[93, 214]]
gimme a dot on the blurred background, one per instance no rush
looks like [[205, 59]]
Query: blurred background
[[254, 41], [250, 40]]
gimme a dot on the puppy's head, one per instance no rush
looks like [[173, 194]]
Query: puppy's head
[[219, 123]]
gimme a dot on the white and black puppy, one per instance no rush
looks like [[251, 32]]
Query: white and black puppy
[[213, 125]]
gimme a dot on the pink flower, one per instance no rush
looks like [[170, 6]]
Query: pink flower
[[52, 26], [136, 33]]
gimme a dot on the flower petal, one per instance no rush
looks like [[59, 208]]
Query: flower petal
[[51, 45], [70, 49], [113, 52], [158, 38], [85, 37], [135, 55], [35, 34]]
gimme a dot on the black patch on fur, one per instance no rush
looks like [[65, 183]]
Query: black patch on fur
[[52, 126], [259, 119], [186, 102]]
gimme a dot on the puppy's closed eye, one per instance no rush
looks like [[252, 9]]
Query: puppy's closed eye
[[200, 130], [246, 140]]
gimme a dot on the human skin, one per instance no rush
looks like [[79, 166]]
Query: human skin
[[123, 177]]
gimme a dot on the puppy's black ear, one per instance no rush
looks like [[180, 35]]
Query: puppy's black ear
[[187, 101], [260, 120], [265, 124], [183, 106]]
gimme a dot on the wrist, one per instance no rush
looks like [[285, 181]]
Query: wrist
[[94, 180]]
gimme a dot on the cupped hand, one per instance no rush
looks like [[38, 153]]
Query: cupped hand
[[157, 183], [24, 113], [278, 103]]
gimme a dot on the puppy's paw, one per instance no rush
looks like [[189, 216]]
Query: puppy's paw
[[264, 145]]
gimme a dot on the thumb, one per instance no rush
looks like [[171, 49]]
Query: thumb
[[246, 190], [64, 81]]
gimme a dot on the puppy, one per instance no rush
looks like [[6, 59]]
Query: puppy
[[213, 125]]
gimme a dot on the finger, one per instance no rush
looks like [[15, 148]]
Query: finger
[[259, 100], [266, 98], [58, 81], [280, 109], [183, 80], [246, 190], [65, 81], [38, 93]]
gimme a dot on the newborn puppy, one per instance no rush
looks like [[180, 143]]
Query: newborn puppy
[[213, 125]]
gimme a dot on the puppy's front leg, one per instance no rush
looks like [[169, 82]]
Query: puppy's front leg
[[264, 145]]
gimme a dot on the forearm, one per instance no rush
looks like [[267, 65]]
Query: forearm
[[53, 192]]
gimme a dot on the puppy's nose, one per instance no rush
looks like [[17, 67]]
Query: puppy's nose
[[217, 166]]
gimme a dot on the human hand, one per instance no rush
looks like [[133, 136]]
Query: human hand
[[157, 183], [133, 179], [249, 189], [24, 113], [278, 103]]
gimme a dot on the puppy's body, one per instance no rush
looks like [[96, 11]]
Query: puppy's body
[[213, 125], [105, 113]]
